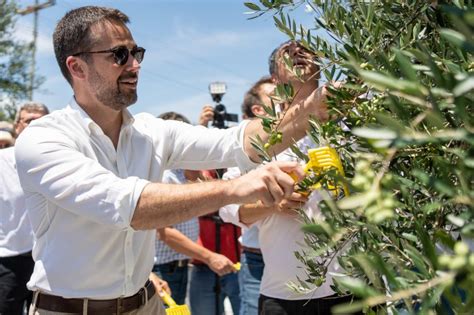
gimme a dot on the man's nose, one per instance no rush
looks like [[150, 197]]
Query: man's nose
[[132, 64], [293, 49]]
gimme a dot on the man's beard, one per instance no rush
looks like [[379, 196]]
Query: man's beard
[[110, 94]]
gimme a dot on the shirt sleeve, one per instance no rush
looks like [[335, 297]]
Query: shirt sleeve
[[51, 164], [198, 148], [230, 213]]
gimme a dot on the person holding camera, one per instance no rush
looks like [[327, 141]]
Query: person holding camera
[[208, 288], [91, 173], [252, 264]]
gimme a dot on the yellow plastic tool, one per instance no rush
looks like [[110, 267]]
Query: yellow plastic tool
[[322, 159], [237, 266], [173, 308]]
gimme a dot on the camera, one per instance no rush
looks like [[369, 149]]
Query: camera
[[221, 116]]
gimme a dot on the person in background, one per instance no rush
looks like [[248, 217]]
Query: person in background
[[250, 274], [280, 234], [6, 135], [27, 113], [209, 287], [92, 172], [16, 236], [177, 243]]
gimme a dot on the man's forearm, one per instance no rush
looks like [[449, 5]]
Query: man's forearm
[[251, 213], [162, 205], [293, 124], [184, 245]]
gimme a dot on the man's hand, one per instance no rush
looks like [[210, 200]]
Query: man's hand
[[318, 100], [207, 115], [270, 184], [289, 206], [220, 264], [160, 284]]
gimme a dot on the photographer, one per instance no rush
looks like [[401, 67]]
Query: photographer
[[208, 288]]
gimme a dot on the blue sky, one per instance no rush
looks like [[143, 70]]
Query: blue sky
[[189, 44]]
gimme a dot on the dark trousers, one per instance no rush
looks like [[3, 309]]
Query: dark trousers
[[321, 306], [15, 272]]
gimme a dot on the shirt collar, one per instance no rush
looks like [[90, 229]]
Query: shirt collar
[[90, 125]]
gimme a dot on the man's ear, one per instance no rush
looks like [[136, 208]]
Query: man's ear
[[257, 110], [76, 67]]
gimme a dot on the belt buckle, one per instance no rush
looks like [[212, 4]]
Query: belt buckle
[[142, 296]]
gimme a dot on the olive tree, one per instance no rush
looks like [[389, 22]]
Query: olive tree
[[402, 122]]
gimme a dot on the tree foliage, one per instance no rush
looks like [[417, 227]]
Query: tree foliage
[[407, 99], [15, 62]]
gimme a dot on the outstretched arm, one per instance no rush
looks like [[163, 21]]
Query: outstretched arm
[[248, 214], [162, 205], [293, 125]]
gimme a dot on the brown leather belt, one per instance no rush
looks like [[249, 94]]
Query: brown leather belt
[[99, 307], [175, 264], [252, 250]]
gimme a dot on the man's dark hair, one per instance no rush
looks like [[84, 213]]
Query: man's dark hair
[[72, 34], [272, 58], [174, 116], [252, 97]]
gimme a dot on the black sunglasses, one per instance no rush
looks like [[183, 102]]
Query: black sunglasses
[[121, 54]]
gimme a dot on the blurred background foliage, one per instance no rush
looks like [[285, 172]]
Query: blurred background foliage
[[15, 63], [406, 141]]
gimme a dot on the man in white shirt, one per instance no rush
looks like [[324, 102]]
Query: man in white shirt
[[16, 236], [280, 234], [91, 173], [250, 274]]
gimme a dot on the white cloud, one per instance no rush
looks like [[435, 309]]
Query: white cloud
[[184, 41], [24, 31], [308, 9]]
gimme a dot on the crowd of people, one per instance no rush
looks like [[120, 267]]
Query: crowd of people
[[102, 211]]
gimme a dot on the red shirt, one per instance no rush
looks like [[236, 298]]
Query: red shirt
[[229, 235]]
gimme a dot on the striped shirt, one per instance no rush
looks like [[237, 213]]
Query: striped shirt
[[163, 253]]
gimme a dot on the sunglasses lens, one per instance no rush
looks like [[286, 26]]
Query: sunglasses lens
[[138, 53], [121, 55]]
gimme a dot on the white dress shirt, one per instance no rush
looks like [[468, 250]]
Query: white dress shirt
[[16, 236], [230, 214], [82, 192], [278, 249], [279, 238]]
